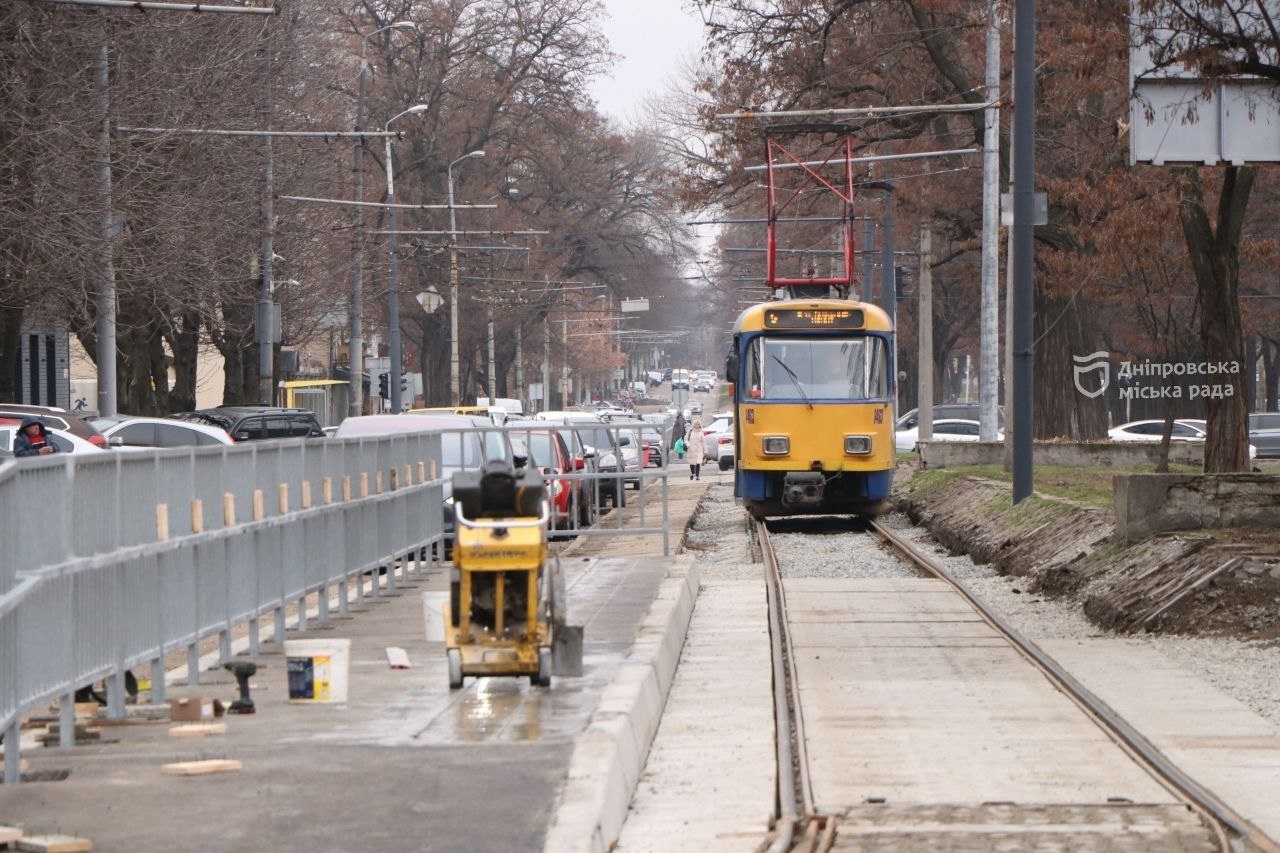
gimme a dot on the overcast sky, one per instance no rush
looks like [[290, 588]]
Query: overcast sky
[[651, 36]]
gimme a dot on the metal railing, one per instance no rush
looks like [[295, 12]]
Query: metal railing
[[111, 560]]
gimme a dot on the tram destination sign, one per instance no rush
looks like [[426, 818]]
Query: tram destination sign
[[813, 318]]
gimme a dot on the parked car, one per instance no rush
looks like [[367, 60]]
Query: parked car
[[543, 447], [960, 411], [65, 441], [257, 423], [1184, 429], [945, 429], [718, 438], [1264, 433], [1152, 430], [609, 459], [581, 458], [55, 418], [130, 431], [459, 450]]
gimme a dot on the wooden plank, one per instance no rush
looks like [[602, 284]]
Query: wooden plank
[[201, 768], [55, 844], [198, 730], [398, 658]]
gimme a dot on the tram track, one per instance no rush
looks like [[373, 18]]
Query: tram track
[[800, 824]]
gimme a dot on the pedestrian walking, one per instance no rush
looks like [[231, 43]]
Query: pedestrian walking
[[677, 435], [33, 439], [696, 447]]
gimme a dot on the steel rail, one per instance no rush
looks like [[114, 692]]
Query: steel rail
[[1216, 812], [783, 725]]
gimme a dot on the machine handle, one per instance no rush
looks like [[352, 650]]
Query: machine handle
[[495, 525]]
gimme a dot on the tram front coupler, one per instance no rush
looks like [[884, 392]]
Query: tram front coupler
[[803, 489]]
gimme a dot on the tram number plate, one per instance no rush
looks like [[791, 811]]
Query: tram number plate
[[813, 318]]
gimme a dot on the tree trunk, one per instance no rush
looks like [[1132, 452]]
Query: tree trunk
[[185, 343], [10, 346], [1215, 257], [1270, 363], [1064, 329]]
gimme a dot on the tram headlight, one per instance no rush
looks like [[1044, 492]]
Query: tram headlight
[[776, 445], [857, 445]]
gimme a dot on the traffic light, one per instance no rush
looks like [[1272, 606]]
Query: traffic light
[[902, 283], [405, 384], [384, 386]]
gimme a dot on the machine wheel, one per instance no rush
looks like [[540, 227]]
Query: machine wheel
[[455, 668], [543, 678]]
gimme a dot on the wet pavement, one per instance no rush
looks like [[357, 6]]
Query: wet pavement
[[404, 764]]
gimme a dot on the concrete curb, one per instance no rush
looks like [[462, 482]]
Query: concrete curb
[[609, 756]]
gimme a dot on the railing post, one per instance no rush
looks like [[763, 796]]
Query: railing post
[[13, 752], [66, 721]]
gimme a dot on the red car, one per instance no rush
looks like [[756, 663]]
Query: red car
[[546, 450]]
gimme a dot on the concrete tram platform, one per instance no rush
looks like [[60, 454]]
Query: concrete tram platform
[[405, 763]]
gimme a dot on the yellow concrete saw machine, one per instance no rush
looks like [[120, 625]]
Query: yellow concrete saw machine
[[507, 600]]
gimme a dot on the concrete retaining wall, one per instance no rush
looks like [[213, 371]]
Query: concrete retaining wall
[[1151, 503], [1094, 454]]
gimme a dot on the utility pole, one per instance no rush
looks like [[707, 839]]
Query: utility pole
[[455, 371], [564, 362], [493, 369], [520, 361], [105, 295], [989, 366], [266, 294], [355, 360], [869, 261], [925, 384], [1023, 295], [889, 290], [546, 361]]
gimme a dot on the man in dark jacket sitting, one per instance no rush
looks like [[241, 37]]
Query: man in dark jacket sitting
[[33, 439]]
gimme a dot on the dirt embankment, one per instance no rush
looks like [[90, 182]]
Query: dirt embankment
[[1197, 582]]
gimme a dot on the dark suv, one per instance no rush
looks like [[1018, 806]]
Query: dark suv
[[255, 423]]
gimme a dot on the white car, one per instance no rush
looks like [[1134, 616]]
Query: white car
[[63, 440], [945, 429], [126, 431], [1184, 429], [718, 437], [1152, 430]]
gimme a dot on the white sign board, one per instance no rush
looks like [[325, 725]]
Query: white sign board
[[1174, 117], [631, 305]]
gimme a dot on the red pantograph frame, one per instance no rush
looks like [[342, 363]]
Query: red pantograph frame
[[841, 148]]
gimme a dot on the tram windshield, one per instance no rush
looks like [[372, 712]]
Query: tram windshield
[[818, 369]]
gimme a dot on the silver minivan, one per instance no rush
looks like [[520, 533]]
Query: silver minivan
[[1264, 433]]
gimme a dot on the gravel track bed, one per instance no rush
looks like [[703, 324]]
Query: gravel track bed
[[1247, 671], [827, 548]]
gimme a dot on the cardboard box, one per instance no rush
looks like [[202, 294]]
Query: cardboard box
[[195, 710]]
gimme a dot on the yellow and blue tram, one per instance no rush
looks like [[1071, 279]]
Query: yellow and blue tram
[[813, 387]]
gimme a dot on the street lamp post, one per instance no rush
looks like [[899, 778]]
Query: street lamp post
[[454, 373], [356, 360], [393, 271]]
